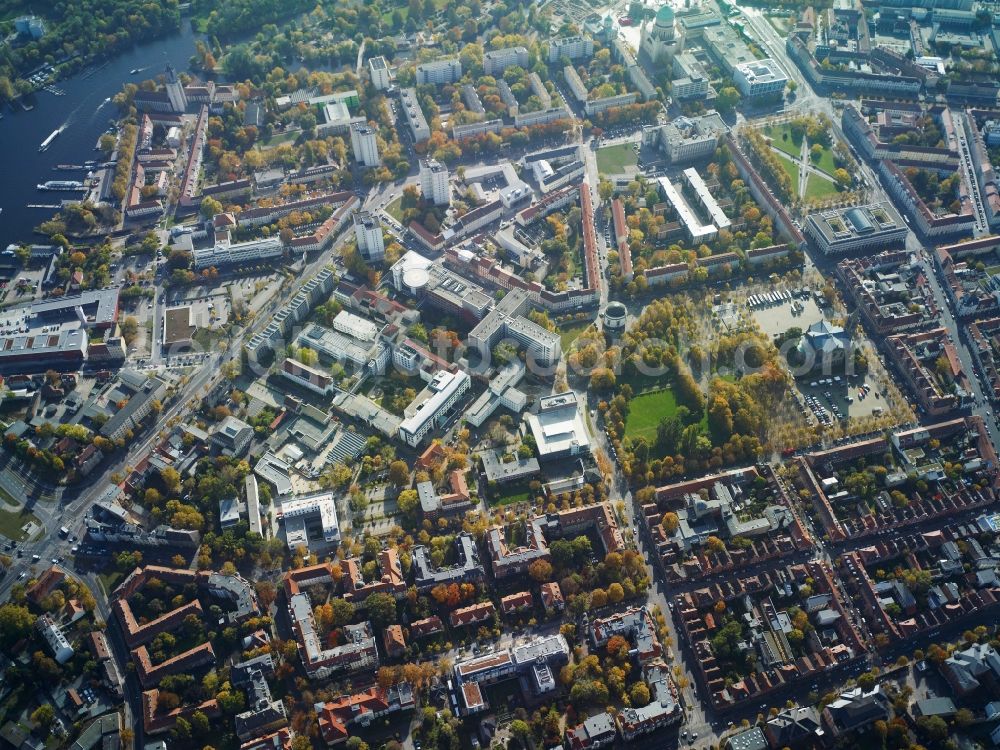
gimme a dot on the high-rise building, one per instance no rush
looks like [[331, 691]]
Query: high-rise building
[[378, 70], [364, 144], [368, 232], [434, 182], [175, 91]]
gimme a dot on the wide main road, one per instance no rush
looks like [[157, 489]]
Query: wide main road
[[808, 101], [75, 503]]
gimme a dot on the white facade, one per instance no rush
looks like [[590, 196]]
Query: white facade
[[576, 86], [175, 92], [300, 513], [496, 61], [571, 47], [432, 404], [696, 231], [759, 78], [434, 185], [225, 254], [539, 90], [706, 199], [690, 79], [594, 106], [364, 144], [368, 232], [54, 638], [439, 72], [414, 115], [378, 71]]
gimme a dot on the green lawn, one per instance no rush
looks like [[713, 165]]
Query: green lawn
[[616, 159], [511, 494], [826, 161], [404, 11], [818, 189], [781, 139], [11, 523], [278, 139], [7, 498], [110, 579], [394, 209], [792, 169], [645, 412], [570, 333]]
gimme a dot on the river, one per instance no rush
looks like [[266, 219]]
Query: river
[[84, 114]]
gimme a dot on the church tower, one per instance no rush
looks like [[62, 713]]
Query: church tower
[[175, 91]]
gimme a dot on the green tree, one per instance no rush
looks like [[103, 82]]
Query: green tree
[[520, 730], [670, 522], [343, 611], [381, 608], [639, 694], [210, 207], [44, 715], [15, 623], [408, 501], [399, 473], [728, 99], [540, 570]]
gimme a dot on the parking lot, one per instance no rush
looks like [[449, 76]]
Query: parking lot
[[828, 400]]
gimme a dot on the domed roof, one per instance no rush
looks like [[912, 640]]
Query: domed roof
[[665, 16]]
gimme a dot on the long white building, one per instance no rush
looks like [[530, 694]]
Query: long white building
[[429, 409], [576, 86], [496, 61], [706, 199], [414, 115], [696, 231], [439, 72], [227, 254], [570, 47]]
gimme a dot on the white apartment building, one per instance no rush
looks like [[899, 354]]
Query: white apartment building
[[378, 71], [576, 86], [226, 254], [539, 90], [368, 232], [414, 115], [507, 97], [571, 47], [496, 61], [434, 185], [541, 117], [430, 408], [439, 72], [364, 144], [759, 78], [690, 79], [594, 106]]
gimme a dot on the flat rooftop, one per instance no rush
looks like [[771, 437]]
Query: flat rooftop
[[178, 326]]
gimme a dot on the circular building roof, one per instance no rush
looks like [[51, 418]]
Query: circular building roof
[[415, 278], [615, 310], [665, 16]]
